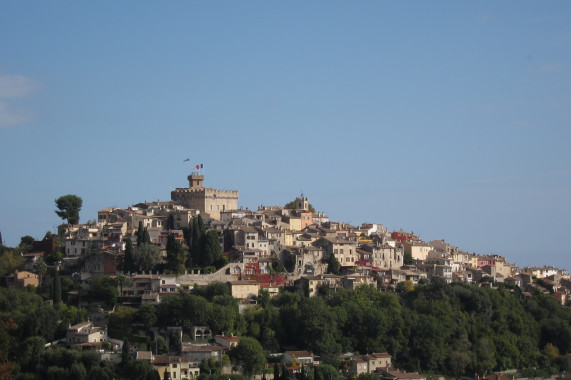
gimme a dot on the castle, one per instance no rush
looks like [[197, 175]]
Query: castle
[[207, 200]]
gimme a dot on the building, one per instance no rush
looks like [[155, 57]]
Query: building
[[85, 332], [244, 289], [206, 200], [21, 279]]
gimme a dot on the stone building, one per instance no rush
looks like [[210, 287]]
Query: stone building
[[206, 200]]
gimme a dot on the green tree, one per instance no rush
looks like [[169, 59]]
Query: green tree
[[212, 252], [104, 288], [122, 281], [146, 256], [69, 207], [9, 262], [407, 259], [250, 354], [57, 288], [175, 255], [197, 240], [293, 205], [170, 222], [129, 264], [147, 315], [333, 265], [26, 241], [125, 352], [140, 234], [41, 269]]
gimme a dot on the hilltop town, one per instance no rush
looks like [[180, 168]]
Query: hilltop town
[[123, 272]]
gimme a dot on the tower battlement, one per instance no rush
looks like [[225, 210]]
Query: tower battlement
[[206, 200]]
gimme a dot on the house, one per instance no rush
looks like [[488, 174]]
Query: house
[[227, 341], [198, 352], [378, 360], [358, 366], [300, 357], [85, 332], [416, 249], [244, 289], [21, 279], [390, 374], [171, 367], [104, 263], [313, 283]]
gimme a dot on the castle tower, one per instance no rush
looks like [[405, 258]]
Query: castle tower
[[195, 180], [206, 200]]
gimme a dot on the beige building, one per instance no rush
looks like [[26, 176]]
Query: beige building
[[20, 280], [244, 289], [418, 250], [85, 332], [206, 200]]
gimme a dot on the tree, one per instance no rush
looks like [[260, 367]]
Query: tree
[[293, 205], [175, 255], [212, 252], [146, 256], [122, 281], [9, 261], [69, 207], [197, 240], [407, 259], [42, 269], [125, 352], [104, 288], [333, 265], [57, 288], [250, 353], [129, 265], [170, 222], [140, 234], [26, 241]]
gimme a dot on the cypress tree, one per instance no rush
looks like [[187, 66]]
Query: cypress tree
[[129, 263], [284, 375], [125, 354], [140, 234], [57, 288], [170, 222], [195, 250]]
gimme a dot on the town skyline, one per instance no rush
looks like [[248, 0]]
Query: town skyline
[[450, 120]]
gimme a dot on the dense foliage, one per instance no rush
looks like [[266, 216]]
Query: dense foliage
[[455, 329]]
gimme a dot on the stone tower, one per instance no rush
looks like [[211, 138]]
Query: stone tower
[[204, 199]]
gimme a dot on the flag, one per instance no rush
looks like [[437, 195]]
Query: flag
[[186, 159]]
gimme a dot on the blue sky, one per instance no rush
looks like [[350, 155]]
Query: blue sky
[[450, 119]]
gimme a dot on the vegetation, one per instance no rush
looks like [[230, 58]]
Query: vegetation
[[293, 205], [453, 329], [69, 207]]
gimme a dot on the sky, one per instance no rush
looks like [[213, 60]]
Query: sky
[[448, 119]]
